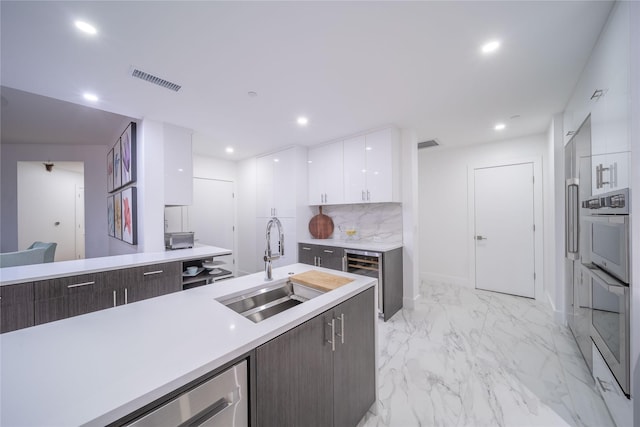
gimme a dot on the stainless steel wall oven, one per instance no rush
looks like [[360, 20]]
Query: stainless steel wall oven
[[607, 220]]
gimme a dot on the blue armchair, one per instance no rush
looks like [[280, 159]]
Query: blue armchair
[[37, 253]]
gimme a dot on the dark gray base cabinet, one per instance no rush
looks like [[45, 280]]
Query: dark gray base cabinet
[[16, 307], [392, 286], [318, 374], [64, 297], [321, 256]]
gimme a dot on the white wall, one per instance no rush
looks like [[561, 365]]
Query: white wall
[[95, 184], [410, 218], [554, 219], [443, 202], [246, 214], [635, 207], [47, 207]]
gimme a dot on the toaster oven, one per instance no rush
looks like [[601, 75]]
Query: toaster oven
[[178, 240]]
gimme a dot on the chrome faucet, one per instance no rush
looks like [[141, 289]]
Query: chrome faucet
[[268, 255]]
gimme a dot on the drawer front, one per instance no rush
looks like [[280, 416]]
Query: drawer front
[[64, 297], [152, 280]]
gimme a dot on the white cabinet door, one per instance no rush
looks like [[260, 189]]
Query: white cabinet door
[[609, 67], [379, 166], [290, 242], [264, 187], [326, 174], [284, 180], [610, 172], [355, 169], [178, 167], [275, 177]]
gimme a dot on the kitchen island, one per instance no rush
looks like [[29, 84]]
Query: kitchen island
[[96, 368]]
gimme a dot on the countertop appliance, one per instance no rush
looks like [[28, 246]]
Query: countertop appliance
[[179, 240], [607, 221], [606, 218], [577, 157], [219, 401]]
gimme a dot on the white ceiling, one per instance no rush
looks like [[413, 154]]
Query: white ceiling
[[347, 66]]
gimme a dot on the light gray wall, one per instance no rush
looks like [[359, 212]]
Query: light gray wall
[[443, 202], [95, 184]]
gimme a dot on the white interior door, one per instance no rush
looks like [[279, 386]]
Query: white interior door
[[211, 216], [504, 229], [80, 232]]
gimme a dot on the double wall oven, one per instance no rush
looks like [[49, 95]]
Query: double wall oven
[[606, 261]]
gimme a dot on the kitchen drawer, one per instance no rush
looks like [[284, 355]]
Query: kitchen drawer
[[64, 297], [151, 281]]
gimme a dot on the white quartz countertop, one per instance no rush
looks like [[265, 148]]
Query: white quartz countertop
[[355, 244], [52, 270], [96, 368]]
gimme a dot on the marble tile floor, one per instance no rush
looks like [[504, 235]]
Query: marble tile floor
[[465, 357]]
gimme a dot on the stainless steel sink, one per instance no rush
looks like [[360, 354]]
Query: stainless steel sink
[[264, 302]]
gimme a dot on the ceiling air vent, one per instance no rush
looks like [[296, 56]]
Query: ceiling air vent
[[427, 144], [155, 80]]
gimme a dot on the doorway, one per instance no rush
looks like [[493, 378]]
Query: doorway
[[51, 206], [211, 216], [504, 229]]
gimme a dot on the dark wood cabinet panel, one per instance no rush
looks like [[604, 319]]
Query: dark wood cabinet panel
[[294, 380], [150, 281], [60, 298], [16, 307], [354, 360], [321, 256], [304, 380], [307, 253], [392, 289]]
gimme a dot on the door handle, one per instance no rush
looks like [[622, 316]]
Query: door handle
[[481, 238]]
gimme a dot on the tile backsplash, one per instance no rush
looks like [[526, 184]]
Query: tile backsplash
[[373, 222]]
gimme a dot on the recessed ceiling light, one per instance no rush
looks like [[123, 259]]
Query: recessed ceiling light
[[252, 94], [229, 150], [500, 126], [302, 121], [491, 46], [85, 27], [90, 97]]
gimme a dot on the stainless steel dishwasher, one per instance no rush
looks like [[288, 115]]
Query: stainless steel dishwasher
[[219, 401]]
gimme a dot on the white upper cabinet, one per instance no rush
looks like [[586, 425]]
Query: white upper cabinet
[[604, 90], [178, 166], [276, 178], [610, 172], [355, 169], [611, 97], [326, 174], [372, 167]]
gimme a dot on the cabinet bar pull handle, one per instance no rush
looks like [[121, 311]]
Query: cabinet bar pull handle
[[80, 284], [332, 341], [344, 263], [327, 251], [363, 195], [126, 299], [114, 298], [304, 248], [368, 196], [341, 334], [149, 273]]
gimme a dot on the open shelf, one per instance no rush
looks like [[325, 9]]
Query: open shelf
[[205, 277]]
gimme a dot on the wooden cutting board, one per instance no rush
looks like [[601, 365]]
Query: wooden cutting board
[[320, 280], [321, 226]]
